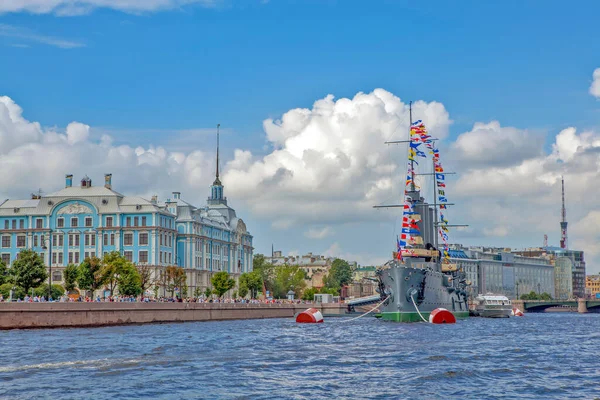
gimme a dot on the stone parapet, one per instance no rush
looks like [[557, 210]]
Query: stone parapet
[[61, 315]]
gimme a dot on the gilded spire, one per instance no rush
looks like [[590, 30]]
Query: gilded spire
[[217, 180]]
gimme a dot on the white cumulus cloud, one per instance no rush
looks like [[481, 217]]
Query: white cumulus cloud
[[78, 7], [329, 163], [32, 157], [595, 88]]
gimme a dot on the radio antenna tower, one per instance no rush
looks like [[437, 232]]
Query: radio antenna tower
[[563, 222]]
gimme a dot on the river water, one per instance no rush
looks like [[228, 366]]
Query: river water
[[539, 356]]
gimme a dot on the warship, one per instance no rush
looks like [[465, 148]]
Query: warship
[[420, 277]]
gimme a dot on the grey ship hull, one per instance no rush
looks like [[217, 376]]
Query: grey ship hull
[[423, 282]]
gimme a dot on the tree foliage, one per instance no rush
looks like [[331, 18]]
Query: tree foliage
[[4, 273], [221, 283], [288, 277], [28, 271], [265, 270], [340, 274], [128, 280], [18, 292], [89, 275], [208, 292], [309, 294], [252, 282], [535, 296], [42, 290], [70, 277], [113, 264]]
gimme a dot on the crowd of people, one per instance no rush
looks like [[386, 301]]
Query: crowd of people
[[145, 299]]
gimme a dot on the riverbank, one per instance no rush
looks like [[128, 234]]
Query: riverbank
[[69, 315]]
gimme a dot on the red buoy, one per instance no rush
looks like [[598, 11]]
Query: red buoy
[[310, 316], [517, 313], [441, 316]]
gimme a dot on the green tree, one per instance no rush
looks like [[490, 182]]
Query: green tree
[[288, 277], [70, 275], [4, 273], [89, 275], [340, 274], [242, 291], [208, 292], [18, 292], [42, 290], [265, 270], [198, 292], [128, 280], [309, 294], [112, 265], [545, 296], [221, 283], [28, 270], [252, 281]]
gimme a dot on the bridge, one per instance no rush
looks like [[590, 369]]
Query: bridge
[[582, 305]]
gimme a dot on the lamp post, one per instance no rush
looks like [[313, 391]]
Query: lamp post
[[539, 291], [49, 239], [517, 290]]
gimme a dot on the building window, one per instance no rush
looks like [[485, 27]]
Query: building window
[[88, 221], [57, 276], [35, 241], [61, 240], [76, 257], [112, 239], [6, 224], [60, 223], [143, 256], [21, 241], [86, 239], [128, 255], [143, 238], [128, 221], [21, 224], [161, 239], [128, 239], [14, 224], [60, 258], [170, 241], [143, 221], [70, 258], [93, 239], [135, 221], [105, 242], [53, 258], [6, 259], [109, 222], [161, 257], [169, 258], [39, 223], [74, 222], [70, 240]]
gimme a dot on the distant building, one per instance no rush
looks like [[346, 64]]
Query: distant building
[[498, 271], [592, 286], [363, 283], [569, 269], [315, 267], [84, 221]]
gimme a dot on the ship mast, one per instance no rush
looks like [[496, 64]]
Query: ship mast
[[412, 162]]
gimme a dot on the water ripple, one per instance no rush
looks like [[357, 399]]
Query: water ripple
[[541, 356]]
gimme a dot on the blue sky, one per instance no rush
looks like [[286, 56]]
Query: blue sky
[[144, 77]]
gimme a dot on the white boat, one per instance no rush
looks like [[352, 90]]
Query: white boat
[[493, 306]]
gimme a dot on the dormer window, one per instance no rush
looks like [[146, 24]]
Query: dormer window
[[86, 182]]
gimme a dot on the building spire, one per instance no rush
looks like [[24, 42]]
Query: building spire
[[217, 180]]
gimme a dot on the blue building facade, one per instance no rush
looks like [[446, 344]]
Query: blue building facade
[[81, 221]]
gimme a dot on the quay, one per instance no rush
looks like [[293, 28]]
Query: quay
[[70, 315]]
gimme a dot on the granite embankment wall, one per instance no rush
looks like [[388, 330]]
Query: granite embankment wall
[[61, 315]]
